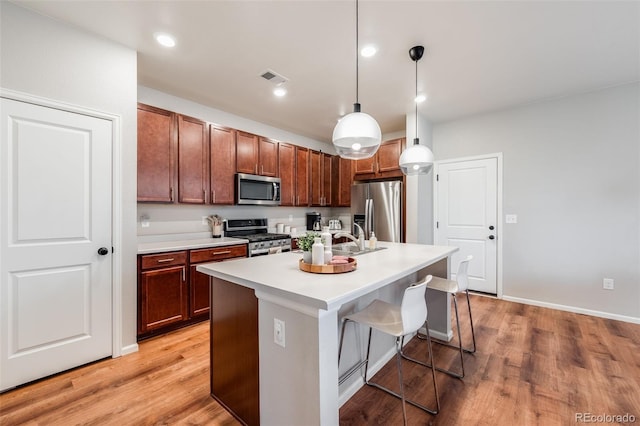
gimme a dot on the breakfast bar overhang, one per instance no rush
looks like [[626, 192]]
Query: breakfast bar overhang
[[298, 377]]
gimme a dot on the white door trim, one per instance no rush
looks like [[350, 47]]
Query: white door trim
[[499, 234], [116, 213]]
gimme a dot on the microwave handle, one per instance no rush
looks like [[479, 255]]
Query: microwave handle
[[275, 191]]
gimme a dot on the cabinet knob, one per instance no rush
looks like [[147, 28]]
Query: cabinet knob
[[102, 251]]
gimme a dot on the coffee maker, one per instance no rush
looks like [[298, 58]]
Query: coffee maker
[[314, 221]]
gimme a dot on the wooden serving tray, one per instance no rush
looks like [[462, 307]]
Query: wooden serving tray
[[329, 269]]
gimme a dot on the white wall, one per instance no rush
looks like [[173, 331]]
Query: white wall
[[183, 218], [42, 57], [572, 175]]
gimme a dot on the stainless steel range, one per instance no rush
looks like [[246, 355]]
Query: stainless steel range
[[261, 242]]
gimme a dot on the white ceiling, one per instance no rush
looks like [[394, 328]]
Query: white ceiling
[[480, 55]]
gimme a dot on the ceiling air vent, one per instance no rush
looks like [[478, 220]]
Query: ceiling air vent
[[273, 77]]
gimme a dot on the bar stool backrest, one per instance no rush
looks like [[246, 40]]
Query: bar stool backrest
[[462, 277], [414, 307]]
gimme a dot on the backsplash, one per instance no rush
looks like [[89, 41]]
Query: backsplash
[[166, 219]]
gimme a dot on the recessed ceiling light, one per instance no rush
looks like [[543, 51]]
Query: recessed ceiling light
[[279, 91], [166, 40], [420, 98], [368, 51]]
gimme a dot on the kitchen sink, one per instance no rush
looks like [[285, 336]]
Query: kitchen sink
[[351, 249]]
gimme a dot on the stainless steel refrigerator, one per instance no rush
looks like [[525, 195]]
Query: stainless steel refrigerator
[[377, 207]]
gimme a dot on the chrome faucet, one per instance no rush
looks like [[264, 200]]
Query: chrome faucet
[[359, 241]]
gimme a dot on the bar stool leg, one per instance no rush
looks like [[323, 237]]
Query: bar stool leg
[[400, 379], [473, 333]]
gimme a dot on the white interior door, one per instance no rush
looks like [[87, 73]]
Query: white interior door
[[467, 217], [55, 208]]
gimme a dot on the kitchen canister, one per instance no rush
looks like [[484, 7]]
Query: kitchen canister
[[279, 228]]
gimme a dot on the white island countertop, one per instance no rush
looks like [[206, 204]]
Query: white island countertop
[[278, 275]]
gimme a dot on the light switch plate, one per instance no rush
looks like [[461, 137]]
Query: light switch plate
[[511, 218]]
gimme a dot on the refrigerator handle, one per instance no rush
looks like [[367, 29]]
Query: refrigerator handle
[[371, 218], [366, 216]]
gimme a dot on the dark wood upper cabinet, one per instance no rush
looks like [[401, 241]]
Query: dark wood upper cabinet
[[302, 176], [247, 148], [223, 164], [384, 164], [268, 157], [320, 182], [157, 152], [256, 155], [342, 178], [193, 172], [287, 173]]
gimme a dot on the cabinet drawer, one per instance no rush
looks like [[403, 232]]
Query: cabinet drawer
[[151, 261], [217, 253]]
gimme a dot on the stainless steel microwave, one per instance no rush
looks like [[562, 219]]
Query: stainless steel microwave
[[261, 190]]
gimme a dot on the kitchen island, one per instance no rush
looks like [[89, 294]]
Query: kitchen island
[[268, 298]]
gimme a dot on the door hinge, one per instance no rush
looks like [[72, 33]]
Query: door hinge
[[112, 250], [437, 225], [437, 178]]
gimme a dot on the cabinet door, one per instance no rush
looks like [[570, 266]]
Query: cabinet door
[[223, 164], [326, 179], [365, 166], [287, 173], [302, 176], [315, 161], [341, 182], [198, 293], [163, 294], [389, 156], [192, 160], [156, 154], [246, 153], [268, 154]]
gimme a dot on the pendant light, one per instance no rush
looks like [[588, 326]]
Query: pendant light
[[416, 159], [357, 135]]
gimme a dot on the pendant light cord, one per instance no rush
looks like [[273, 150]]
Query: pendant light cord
[[357, 56], [416, 140]]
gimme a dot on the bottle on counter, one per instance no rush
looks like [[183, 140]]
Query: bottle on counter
[[373, 241], [326, 241], [317, 252]]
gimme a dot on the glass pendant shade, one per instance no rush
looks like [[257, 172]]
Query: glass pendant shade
[[356, 136], [416, 160]]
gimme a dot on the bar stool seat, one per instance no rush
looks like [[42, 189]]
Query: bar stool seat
[[397, 321]]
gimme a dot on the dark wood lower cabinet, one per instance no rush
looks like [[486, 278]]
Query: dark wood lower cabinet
[[171, 293], [235, 374]]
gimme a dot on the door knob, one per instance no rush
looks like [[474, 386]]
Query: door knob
[[103, 251], [491, 237], [491, 228]]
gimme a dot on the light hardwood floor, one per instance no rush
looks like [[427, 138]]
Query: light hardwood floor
[[534, 366]]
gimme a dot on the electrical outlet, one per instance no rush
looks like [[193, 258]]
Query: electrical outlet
[[204, 220], [607, 283], [278, 332], [144, 221], [290, 218], [511, 218]]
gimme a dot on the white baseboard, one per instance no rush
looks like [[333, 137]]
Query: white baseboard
[[129, 349], [573, 309]]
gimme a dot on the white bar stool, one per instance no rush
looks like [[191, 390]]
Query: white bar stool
[[398, 321], [453, 287]]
